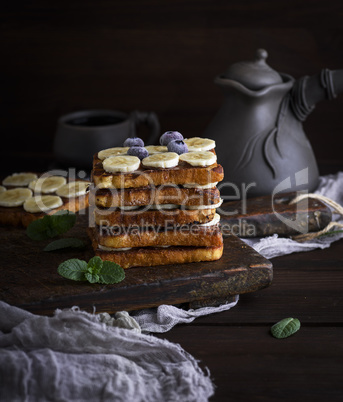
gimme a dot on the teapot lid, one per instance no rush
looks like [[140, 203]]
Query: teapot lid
[[254, 74]]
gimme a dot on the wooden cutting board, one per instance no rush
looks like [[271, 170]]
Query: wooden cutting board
[[29, 278], [264, 216]]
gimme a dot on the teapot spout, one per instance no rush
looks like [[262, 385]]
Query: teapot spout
[[308, 91]]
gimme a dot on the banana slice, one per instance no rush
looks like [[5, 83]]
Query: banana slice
[[73, 189], [199, 144], [19, 179], [203, 158], [123, 163], [195, 185], [164, 206], [2, 189], [105, 153], [156, 149], [42, 203], [162, 160], [129, 207], [214, 221], [100, 247], [48, 184], [14, 197]]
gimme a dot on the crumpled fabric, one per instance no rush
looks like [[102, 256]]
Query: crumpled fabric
[[165, 317], [121, 319], [73, 356]]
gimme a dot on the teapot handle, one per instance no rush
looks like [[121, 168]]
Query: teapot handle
[[151, 120], [308, 91]]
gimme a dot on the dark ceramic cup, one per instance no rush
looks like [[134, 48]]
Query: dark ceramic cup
[[81, 134]]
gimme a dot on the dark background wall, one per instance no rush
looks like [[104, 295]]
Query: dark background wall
[[58, 57]]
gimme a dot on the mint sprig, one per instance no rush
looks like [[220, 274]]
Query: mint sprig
[[95, 271], [285, 328], [51, 225], [73, 269], [69, 242]]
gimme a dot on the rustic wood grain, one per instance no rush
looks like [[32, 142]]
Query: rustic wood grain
[[247, 364], [262, 216], [305, 285], [30, 279]]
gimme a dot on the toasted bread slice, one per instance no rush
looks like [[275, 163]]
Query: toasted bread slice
[[17, 216], [151, 256], [108, 198], [142, 217], [183, 173], [136, 236]]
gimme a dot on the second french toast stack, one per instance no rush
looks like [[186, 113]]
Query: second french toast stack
[[156, 205]]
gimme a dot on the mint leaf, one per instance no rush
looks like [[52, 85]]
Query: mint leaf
[[111, 273], [73, 269], [96, 271], [51, 225], [62, 221], [70, 242], [91, 277], [95, 264], [285, 328], [37, 230]]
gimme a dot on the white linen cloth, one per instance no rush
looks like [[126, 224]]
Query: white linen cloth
[[165, 317], [76, 356]]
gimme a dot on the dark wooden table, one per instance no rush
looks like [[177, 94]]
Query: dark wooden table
[[248, 364]]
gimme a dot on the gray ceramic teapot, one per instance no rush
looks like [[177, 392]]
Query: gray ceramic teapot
[[258, 129]]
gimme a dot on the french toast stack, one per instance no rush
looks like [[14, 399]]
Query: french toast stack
[[156, 205]]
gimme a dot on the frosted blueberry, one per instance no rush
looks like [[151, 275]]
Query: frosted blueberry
[[133, 142], [170, 136], [140, 152], [177, 146]]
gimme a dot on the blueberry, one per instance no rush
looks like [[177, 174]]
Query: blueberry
[[133, 142], [177, 146], [140, 152], [170, 136]]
